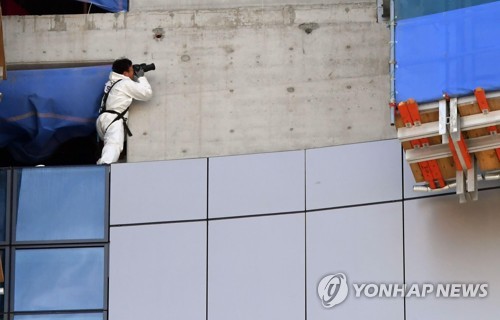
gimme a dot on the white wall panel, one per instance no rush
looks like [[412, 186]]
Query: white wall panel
[[366, 244], [158, 272], [448, 242], [158, 191], [257, 268], [258, 183], [354, 174]]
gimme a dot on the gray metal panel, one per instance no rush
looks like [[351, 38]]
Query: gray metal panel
[[353, 174], [257, 268], [158, 272], [158, 191], [258, 183], [366, 244], [448, 242]]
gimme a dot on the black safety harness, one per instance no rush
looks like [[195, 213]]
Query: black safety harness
[[119, 115]]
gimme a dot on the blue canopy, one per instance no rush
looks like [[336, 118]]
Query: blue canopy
[[450, 52], [41, 109]]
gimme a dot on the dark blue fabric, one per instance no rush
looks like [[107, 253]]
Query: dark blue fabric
[[41, 109], [452, 52], [110, 5]]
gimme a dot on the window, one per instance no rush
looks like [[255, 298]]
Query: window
[[59, 279], [60, 204], [3, 203], [55, 258], [80, 316], [2, 282]]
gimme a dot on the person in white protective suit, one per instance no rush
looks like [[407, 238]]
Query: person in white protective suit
[[123, 86]]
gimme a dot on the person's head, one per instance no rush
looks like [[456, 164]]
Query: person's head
[[123, 66]]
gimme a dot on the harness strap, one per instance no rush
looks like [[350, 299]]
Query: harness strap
[[105, 97], [118, 117]]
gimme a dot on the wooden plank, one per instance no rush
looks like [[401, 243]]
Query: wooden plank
[[446, 165], [487, 160]]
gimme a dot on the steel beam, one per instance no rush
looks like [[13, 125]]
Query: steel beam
[[440, 151], [431, 129], [472, 188], [461, 101]]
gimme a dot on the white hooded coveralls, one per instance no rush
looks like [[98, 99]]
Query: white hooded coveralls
[[119, 99]]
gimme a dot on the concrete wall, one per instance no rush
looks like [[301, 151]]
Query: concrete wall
[[235, 77], [142, 5]]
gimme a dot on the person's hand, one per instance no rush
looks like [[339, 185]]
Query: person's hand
[[139, 73]]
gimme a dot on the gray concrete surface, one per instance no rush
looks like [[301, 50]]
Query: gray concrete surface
[[232, 80], [141, 5]]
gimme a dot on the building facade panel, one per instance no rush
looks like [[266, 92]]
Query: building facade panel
[[450, 243], [364, 243], [256, 184], [354, 174], [158, 272], [158, 191], [256, 268]]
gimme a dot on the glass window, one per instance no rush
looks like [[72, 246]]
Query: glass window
[[79, 316], [3, 203], [59, 279], [2, 281], [60, 203]]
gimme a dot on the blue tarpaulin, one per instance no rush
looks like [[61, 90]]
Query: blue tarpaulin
[[110, 5], [41, 109], [413, 8], [451, 52]]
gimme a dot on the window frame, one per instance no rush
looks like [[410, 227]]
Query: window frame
[[12, 275], [14, 206], [10, 245], [8, 207]]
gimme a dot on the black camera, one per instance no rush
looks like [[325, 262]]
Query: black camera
[[145, 67]]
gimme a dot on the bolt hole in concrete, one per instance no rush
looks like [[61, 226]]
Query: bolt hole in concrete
[[308, 27], [158, 33]]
